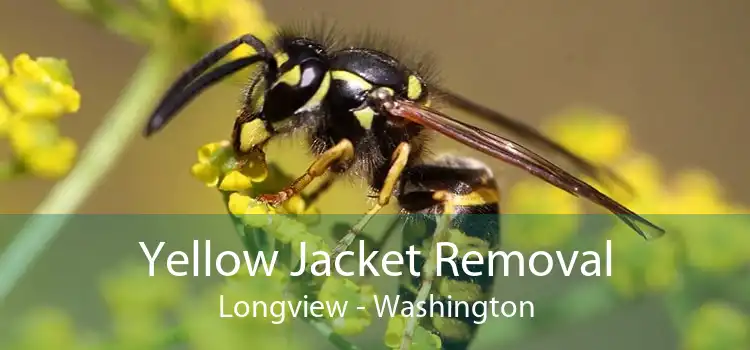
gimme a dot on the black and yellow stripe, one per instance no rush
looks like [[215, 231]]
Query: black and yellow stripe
[[473, 199]]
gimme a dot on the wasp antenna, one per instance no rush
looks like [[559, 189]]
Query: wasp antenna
[[186, 87], [170, 107]]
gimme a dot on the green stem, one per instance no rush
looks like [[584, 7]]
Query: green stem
[[122, 123]]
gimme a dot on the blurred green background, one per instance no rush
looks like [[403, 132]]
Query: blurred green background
[[676, 71]]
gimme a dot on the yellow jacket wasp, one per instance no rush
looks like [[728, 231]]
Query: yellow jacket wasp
[[366, 113]]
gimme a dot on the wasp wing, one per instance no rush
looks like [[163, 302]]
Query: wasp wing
[[519, 156], [531, 134]]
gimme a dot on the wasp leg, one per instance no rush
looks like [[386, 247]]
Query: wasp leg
[[451, 200], [342, 152], [314, 195], [429, 270], [398, 164]]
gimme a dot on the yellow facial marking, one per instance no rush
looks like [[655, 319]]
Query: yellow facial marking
[[352, 78], [365, 117], [320, 94], [414, 88], [479, 197], [291, 77], [253, 134], [281, 58]]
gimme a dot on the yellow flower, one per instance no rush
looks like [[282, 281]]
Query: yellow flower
[[244, 17], [48, 329], [41, 148], [422, 340], [205, 173], [696, 192], [37, 92], [216, 162], [295, 205], [41, 88], [343, 290], [596, 136], [4, 69], [6, 115], [54, 161], [205, 330], [130, 290], [235, 181], [717, 326], [199, 10], [644, 173], [714, 243], [542, 215], [642, 267], [296, 232], [209, 152], [232, 17], [713, 237]]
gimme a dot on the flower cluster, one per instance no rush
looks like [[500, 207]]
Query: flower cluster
[[690, 205], [718, 325], [704, 237], [37, 92], [217, 167], [232, 18]]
